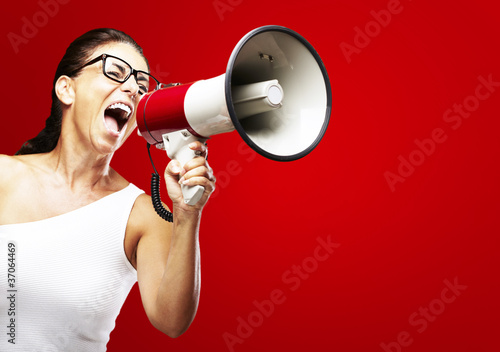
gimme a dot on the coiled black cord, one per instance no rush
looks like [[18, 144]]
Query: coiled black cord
[[155, 193], [155, 197]]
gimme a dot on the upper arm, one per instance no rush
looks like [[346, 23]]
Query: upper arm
[[152, 250]]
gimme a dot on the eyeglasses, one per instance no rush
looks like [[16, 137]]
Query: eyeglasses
[[120, 71]]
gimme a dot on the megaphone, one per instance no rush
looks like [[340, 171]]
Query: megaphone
[[275, 93]]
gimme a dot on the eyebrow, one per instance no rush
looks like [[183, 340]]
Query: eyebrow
[[142, 76]]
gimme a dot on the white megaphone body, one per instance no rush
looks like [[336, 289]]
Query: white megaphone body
[[275, 93]]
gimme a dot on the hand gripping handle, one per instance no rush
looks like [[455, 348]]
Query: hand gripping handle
[[177, 146]]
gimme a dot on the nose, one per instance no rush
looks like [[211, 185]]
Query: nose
[[130, 86]]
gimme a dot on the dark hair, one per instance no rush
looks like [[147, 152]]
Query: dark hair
[[77, 54]]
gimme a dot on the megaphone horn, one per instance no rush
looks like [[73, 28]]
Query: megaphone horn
[[275, 93]]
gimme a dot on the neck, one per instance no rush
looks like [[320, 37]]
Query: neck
[[79, 167]]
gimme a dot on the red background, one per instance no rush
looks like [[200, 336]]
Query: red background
[[397, 247]]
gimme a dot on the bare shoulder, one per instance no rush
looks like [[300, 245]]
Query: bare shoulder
[[17, 162], [7, 161], [11, 167], [14, 186], [20, 169]]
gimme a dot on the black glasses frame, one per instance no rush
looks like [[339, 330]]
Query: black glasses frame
[[133, 72]]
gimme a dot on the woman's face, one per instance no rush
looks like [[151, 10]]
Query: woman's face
[[104, 111]]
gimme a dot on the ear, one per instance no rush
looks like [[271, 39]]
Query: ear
[[65, 90]]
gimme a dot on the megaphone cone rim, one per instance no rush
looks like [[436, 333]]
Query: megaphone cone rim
[[230, 106]]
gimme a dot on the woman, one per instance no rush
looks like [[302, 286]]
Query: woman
[[76, 234]]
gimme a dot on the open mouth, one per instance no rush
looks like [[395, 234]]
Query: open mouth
[[116, 116]]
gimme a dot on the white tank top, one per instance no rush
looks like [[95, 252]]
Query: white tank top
[[69, 277]]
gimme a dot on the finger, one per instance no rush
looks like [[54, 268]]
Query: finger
[[198, 145], [199, 148], [201, 171], [173, 168], [208, 184], [193, 164]]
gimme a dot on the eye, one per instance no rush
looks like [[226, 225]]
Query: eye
[[116, 70], [143, 83], [114, 74]]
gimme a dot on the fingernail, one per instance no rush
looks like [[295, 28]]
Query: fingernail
[[176, 169], [192, 145]]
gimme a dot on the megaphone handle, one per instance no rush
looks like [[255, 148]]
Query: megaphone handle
[[177, 146]]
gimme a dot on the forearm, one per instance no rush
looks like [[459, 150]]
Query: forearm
[[179, 290]]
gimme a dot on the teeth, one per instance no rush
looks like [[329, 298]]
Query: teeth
[[121, 106]]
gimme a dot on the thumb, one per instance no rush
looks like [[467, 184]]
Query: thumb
[[173, 169]]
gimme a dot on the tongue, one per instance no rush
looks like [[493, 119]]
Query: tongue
[[111, 123]]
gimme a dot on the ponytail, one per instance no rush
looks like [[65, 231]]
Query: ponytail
[[47, 139]]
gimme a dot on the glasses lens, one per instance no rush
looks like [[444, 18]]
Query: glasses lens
[[146, 82], [116, 69]]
